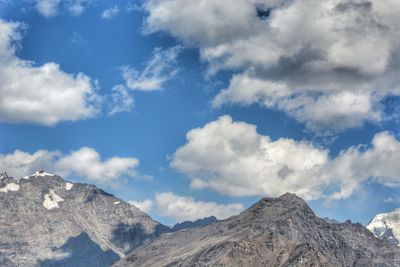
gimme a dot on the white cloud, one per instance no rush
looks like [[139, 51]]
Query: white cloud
[[303, 55], [158, 70], [339, 108], [40, 94], [144, 206], [233, 159], [183, 208], [395, 200], [50, 8], [111, 12], [121, 100], [85, 162], [47, 8]]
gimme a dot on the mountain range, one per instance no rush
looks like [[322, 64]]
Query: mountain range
[[48, 221], [280, 231]]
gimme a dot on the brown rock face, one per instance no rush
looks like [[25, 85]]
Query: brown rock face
[[273, 232]]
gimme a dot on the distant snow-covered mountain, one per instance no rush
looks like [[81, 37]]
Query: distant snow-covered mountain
[[386, 225]]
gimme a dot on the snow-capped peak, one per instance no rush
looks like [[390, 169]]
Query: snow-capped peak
[[43, 173], [386, 225], [39, 173]]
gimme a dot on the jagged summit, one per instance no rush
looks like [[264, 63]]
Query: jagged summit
[[292, 197], [40, 173], [3, 176]]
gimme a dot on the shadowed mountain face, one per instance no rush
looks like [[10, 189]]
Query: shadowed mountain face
[[82, 252], [196, 223], [47, 221], [273, 232]]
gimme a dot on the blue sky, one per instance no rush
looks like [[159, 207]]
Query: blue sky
[[175, 67]]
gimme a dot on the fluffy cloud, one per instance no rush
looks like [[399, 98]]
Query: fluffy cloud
[[40, 94], [295, 56], [183, 208], [159, 69], [121, 100], [85, 162], [233, 159], [109, 13], [144, 206]]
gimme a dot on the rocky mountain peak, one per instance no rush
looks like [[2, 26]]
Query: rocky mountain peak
[[58, 220], [286, 206], [3, 176], [292, 198]]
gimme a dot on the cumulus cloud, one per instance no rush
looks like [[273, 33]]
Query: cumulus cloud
[[111, 12], [158, 70], [233, 159], [144, 206], [121, 100], [295, 56], [40, 94], [184, 208], [85, 162]]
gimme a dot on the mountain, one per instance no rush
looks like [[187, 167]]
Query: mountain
[[196, 223], [386, 225], [47, 221], [280, 231]]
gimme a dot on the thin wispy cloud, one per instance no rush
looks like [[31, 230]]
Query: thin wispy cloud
[[158, 70], [121, 100], [111, 12]]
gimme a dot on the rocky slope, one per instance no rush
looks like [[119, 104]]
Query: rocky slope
[[196, 223], [273, 232], [386, 225], [47, 221]]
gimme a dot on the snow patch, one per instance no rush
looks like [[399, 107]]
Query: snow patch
[[68, 186], [42, 173], [117, 202], [51, 200], [10, 187]]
